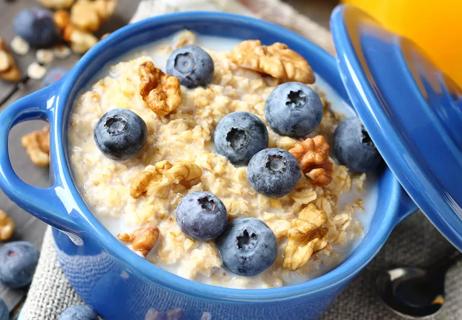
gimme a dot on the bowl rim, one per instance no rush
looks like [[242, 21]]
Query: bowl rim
[[92, 228]]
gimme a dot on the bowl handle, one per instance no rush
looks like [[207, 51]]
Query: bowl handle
[[406, 207], [44, 203]]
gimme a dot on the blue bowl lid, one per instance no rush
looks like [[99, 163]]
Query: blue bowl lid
[[412, 111]]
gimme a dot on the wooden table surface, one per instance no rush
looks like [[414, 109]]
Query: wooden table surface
[[28, 227]]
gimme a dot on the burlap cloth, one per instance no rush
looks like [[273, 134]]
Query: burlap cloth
[[415, 242]]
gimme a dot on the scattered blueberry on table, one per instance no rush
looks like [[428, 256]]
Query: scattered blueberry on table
[[191, 65], [293, 109], [248, 247], [273, 172], [120, 134], [354, 148], [78, 312], [201, 215], [239, 135], [37, 27], [4, 313], [18, 262]]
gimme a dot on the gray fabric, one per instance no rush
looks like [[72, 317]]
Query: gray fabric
[[415, 242]]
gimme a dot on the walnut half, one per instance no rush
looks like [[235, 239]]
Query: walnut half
[[276, 60], [305, 237], [313, 156], [160, 91], [141, 240], [163, 176]]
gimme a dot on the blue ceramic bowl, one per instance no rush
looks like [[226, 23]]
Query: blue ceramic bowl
[[114, 280]]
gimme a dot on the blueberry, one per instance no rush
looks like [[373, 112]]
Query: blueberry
[[248, 247], [17, 263], [354, 148], [239, 135], [293, 110], [78, 312], [192, 65], [37, 27], [4, 313], [201, 215], [120, 134], [273, 172]]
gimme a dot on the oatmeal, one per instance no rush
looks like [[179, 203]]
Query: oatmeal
[[315, 224]]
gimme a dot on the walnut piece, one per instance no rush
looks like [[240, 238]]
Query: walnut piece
[[37, 145], [141, 240], [62, 19], [6, 226], [89, 15], [80, 39], [159, 178], [56, 4], [313, 156], [276, 60], [305, 237], [160, 91], [9, 70]]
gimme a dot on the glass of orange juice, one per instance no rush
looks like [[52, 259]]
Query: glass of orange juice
[[435, 25]]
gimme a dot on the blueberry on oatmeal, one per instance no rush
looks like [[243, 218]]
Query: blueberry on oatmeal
[[201, 215], [239, 135], [192, 65], [354, 148], [36, 26], [17, 263], [293, 109], [248, 247], [78, 312], [120, 134], [273, 172]]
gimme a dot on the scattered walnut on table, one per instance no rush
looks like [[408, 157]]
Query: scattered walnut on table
[[160, 91], [313, 156], [37, 145], [7, 226], [90, 15], [276, 60], [305, 237], [62, 19], [159, 178], [9, 70], [57, 4], [84, 16], [141, 240]]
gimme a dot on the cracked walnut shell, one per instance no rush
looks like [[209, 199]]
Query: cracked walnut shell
[[276, 60], [6, 226], [160, 91], [141, 240], [37, 145], [159, 178], [305, 237], [313, 156]]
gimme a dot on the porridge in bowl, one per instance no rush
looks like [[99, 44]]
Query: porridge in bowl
[[223, 161]]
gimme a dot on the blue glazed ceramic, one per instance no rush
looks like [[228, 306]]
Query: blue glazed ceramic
[[411, 110], [115, 281]]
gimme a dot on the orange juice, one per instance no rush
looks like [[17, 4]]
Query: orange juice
[[435, 25]]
